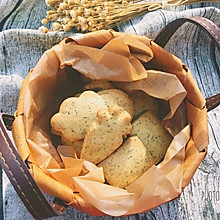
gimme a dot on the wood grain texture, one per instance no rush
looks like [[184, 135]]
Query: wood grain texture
[[27, 16], [151, 23], [6, 7], [22, 46]]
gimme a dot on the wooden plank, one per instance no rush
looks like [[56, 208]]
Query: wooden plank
[[151, 23], [27, 16], [6, 7], [1, 191]]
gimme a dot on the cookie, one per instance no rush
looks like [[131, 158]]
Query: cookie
[[127, 163], [76, 114], [143, 102], [77, 145], [98, 85], [121, 98], [109, 99], [105, 134], [152, 134]]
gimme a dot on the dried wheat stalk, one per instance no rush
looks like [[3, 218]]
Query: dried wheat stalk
[[92, 15]]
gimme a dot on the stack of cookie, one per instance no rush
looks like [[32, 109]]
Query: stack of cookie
[[119, 132]]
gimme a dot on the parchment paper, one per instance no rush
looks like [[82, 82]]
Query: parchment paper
[[122, 59]]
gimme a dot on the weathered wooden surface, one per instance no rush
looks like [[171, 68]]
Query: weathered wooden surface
[[21, 49]]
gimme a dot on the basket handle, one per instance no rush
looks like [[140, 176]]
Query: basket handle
[[16, 169], [208, 27], [20, 177]]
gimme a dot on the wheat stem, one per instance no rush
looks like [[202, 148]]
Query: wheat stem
[[91, 15]]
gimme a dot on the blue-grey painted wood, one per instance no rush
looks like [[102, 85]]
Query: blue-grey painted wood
[[1, 199]]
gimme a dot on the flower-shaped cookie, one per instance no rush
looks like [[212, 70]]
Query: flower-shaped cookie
[[106, 133], [76, 114]]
